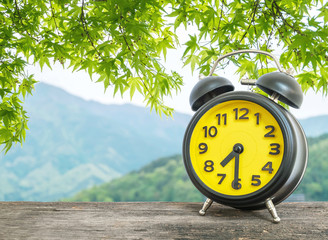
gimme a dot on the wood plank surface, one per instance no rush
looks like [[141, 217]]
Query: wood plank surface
[[159, 220]]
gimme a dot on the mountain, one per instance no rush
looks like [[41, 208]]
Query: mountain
[[73, 144], [315, 126], [165, 179]]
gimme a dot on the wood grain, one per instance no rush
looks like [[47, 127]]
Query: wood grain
[[159, 220]]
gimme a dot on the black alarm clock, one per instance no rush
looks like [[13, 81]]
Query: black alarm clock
[[243, 149]]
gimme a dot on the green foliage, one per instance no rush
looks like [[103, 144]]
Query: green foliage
[[120, 42], [162, 180], [292, 26]]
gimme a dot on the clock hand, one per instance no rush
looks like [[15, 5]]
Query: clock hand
[[228, 159], [235, 183]]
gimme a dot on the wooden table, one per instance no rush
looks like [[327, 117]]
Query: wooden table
[[159, 220]]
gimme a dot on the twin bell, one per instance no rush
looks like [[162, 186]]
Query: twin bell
[[279, 85]]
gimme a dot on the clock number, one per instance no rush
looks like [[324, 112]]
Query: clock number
[[209, 166], [222, 175], [212, 131], [236, 184], [203, 148], [224, 118], [243, 116], [268, 167], [269, 134], [257, 115], [274, 149], [256, 180]]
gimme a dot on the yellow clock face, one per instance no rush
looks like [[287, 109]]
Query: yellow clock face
[[236, 147]]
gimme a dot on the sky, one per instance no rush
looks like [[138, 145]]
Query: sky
[[79, 84]]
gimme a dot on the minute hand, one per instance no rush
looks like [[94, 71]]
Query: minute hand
[[235, 183]]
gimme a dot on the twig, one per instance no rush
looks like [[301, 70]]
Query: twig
[[256, 4], [85, 29], [53, 16], [21, 22]]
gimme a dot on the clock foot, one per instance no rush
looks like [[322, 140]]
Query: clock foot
[[270, 206], [206, 206]]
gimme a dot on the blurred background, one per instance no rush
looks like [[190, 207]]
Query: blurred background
[[83, 144]]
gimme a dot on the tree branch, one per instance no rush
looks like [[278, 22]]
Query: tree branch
[[85, 29], [21, 22], [53, 16], [145, 65], [4, 65], [256, 4], [125, 40], [221, 15], [286, 23]]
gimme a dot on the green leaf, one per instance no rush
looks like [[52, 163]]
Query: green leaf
[[192, 45], [5, 135], [134, 83], [193, 60]]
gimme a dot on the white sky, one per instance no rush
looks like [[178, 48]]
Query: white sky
[[79, 84]]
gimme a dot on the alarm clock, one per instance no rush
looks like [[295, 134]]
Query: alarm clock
[[242, 149]]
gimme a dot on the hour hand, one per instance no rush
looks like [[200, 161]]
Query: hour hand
[[228, 159]]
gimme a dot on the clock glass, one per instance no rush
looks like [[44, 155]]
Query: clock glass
[[236, 148]]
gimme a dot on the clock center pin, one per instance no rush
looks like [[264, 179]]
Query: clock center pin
[[238, 148]]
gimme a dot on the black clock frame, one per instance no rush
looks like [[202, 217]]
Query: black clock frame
[[293, 163]]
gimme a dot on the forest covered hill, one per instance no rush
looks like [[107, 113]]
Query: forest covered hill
[[166, 180]]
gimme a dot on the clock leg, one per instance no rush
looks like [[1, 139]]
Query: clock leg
[[206, 206], [270, 206]]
